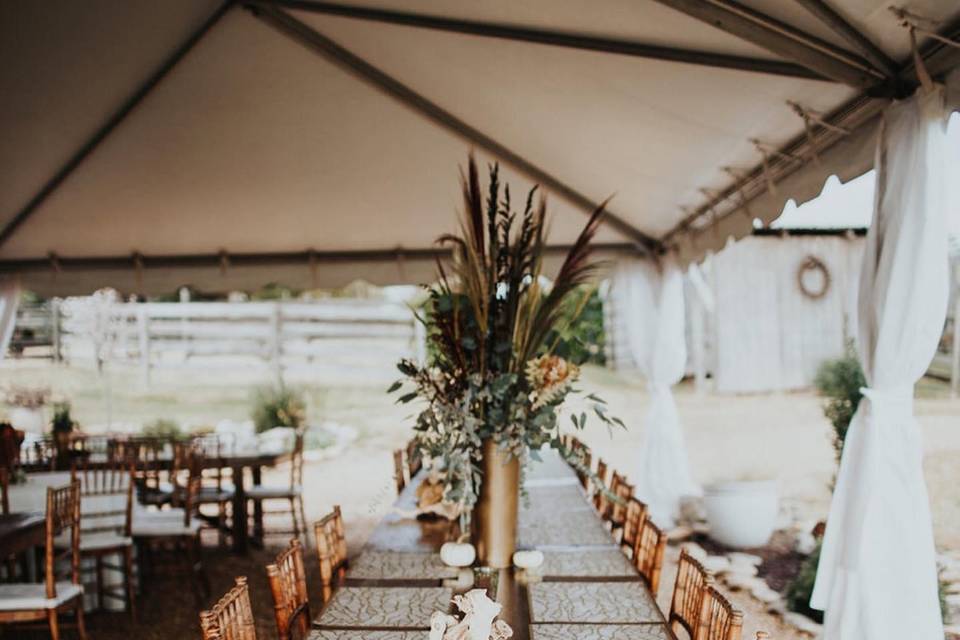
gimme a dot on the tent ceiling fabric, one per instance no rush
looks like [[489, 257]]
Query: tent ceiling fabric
[[255, 144]]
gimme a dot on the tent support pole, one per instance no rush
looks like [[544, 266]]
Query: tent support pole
[[848, 32], [320, 44], [115, 119], [782, 39], [552, 37]]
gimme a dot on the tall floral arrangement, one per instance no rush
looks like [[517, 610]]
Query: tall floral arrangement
[[499, 364]]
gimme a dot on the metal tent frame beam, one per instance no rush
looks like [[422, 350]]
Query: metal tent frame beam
[[782, 39], [330, 50], [55, 263], [829, 16], [551, 37], [112, 122]]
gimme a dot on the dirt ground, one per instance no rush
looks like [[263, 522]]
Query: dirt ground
[[777, 435]]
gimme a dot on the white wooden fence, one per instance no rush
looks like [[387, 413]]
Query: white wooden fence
[[278, 338]]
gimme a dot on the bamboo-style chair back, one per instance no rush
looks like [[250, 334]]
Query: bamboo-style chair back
[[232, 617], [398, 470], [651, 543], [288, 583], [207, 455], [99, 481], [63, 512], [719, 620], [331, 548], [599, 498], [185, 495], [414, 458], [585, 457], [4, 489], [634, 517], [686, 606], [147, 456], [617, 509]]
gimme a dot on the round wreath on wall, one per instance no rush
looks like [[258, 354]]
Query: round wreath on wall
[[813, 278]]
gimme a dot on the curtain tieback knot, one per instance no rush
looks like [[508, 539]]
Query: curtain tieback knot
[[891, 405]]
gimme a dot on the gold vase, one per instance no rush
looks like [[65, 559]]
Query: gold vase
[[495, 515]]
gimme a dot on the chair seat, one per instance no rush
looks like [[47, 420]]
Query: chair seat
[[96, 541], [210, 495], [263, 492], [33, 597], [163, 528]]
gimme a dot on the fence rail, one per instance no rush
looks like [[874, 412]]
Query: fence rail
[[282, 335]]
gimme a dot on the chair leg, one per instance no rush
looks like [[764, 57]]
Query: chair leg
[[101, 605], [303, 520], [54, 623], [128, 570], [81, 625]]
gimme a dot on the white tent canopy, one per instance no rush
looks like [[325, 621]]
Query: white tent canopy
[[147, 144]]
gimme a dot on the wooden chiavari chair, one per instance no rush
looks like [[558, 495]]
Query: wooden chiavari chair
[[231, 618], [648, 550], [292, 494], [634, 518], [719, 620], [175, 531], [207, 463], [616, 513], [106, 526], [399, 474], [598, 485], [59, 592], [288, 583], [414, 458], [686, 605], [149, 457], [331, 549]]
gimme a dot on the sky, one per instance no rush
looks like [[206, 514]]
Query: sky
[[850, 205]]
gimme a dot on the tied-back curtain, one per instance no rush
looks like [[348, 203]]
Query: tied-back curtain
[[9, 301], [877, 578], [652, 301]]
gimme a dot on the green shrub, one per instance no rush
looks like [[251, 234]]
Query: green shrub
[[799, 591], [277, 407], [164, 429], [62, 421], [840, 381]]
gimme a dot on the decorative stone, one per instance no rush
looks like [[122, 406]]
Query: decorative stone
[[806, 543], [743, 582], [740, 558], [694, 550], [747, 570], [679, 534], [765, 594], [802, 623], [716, 564], [701, 528]]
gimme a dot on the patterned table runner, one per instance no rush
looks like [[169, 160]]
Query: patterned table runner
[[599, 632], [400, 608], [390, 565], [592, 563], [598, 602], [352, 634]]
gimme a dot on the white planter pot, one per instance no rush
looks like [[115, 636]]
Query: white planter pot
[[742, 514]]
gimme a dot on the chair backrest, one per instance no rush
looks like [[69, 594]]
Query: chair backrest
[[208, 453], [398, 470], [617, 509], [232, 617], [648, 550], [288, 583], [585, 458], [63, 512], [186, 489], [599, 497], [4, 488], [414, 458], [686, 606], [110, 484], [331, 546], [719, 620], [635, 516], [296, 460]]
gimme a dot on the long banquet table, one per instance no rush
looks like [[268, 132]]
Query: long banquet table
[[587, 588]]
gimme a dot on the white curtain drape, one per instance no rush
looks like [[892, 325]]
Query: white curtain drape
[[9, 301], [877, 578], [653, 303]]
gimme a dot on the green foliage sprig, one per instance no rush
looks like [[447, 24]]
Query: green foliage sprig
[[278, 407], [840, 381]]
